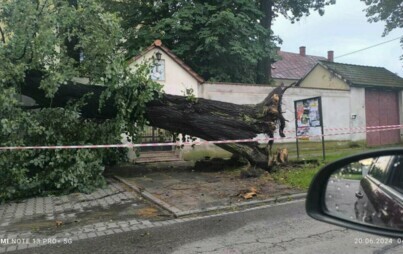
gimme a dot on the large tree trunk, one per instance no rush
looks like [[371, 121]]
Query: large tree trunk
[[264, 65], [206, 119]]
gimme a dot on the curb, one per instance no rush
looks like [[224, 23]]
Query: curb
[[179, 213], [248, 204], [147, 195]]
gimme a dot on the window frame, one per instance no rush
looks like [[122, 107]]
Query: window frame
[[387, 173]]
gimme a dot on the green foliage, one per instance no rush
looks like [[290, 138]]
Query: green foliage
[[389, 11], [190, 96], [297, 177], [38, 172], [221, 40], [295, 10], [35, 36]]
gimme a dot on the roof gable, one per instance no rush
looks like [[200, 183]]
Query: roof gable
[[158, 45], [293, 65], [359, 75]]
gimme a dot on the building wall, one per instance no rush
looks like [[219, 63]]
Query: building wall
[[319, 77], [336, 110], [177, 80], [286, 82], [234, 93], [357, 106], [27, 101], [337, 105]]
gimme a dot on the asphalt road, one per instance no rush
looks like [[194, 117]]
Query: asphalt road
[[282, 228], [340, 197]]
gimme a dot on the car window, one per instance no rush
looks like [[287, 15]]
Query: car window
[[397, 176], [379, 169]]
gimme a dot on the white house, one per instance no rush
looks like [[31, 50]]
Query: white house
[[177, 78], [169, 70]]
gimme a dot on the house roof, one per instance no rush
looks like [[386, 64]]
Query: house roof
[[360, 75], [158, 45], [293, 65]]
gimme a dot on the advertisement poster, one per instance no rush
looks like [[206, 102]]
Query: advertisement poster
[[308, 122]]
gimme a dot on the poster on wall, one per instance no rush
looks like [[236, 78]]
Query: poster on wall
[[308, 120]]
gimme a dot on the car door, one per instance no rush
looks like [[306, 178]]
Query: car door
[[392, 192], [371, 198]]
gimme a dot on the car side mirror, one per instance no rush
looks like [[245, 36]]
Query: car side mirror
[[362, 192]]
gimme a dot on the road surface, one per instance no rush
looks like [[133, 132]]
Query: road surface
[[283, 228]]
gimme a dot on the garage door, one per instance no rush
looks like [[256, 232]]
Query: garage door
[[382, 108]]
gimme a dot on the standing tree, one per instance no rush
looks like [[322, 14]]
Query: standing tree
[[221, 40], [229, 40]]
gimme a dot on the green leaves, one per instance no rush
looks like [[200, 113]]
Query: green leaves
[[41, 36], [39, 172], [221, 40], [218, 39], [389, 11], [294, 10]]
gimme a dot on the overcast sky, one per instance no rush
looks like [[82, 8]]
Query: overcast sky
[[344, 29]]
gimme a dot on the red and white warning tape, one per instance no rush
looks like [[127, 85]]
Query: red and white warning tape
[[129, 145], [357, 128]]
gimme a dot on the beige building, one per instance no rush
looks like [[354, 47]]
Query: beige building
[[320, 77], [291, 67], [376, 97]]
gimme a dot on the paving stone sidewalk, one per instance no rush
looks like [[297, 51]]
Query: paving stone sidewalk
[[64, 219], [117, 208]]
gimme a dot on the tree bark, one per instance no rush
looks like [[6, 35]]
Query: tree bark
[[206, 119], [264, 65]]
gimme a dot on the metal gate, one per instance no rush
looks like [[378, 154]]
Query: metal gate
[[382, 108], [156, 135]]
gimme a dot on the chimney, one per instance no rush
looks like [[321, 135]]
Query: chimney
[[302, 51], [158, 43], [330, 55]]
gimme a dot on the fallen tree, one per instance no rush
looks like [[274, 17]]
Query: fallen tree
[[206, 119], [43, 46]]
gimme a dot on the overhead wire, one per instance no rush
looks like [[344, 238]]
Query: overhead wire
[[353, 52], [370, 47]]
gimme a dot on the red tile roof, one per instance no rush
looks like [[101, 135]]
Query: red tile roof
[[293, 65], [158, 44]]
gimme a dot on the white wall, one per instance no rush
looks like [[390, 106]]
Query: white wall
[[337, 105], [235, 93], [27, 101], [357, 106], [335, 109]]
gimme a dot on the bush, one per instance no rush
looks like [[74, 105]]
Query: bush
[[34, 52], [40, 172]]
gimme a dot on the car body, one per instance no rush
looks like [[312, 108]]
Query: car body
[[317, 197], [380, 195]]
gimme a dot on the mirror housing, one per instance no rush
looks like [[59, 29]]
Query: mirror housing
[[316, 197]]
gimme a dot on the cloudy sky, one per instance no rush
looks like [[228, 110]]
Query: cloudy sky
[[344, 29]]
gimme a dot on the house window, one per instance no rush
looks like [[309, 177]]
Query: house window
[[157, 72]]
